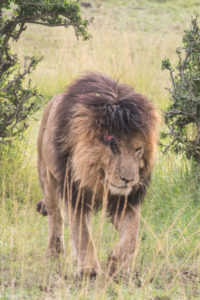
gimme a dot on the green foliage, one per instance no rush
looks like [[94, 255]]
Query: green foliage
[[17, 100], [183, 115]]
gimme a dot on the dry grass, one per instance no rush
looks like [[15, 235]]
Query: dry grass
[[127, 56], [167, 261]]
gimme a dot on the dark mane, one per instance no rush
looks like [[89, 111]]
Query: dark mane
[[114, 109]]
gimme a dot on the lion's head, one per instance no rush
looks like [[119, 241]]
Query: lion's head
[[110, 132]]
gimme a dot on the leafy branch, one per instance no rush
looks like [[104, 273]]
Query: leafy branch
[[17, 101], [183, 114]]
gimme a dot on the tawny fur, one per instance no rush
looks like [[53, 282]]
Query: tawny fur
[[96, 148]]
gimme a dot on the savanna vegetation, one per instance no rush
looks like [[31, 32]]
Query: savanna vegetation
[[17, 100], [129, 41], [183, 114]]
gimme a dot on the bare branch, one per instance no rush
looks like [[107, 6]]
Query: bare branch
[[183, 113], [5, 142], [167, 148]]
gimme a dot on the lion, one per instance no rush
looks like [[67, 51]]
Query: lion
[[96, 150]]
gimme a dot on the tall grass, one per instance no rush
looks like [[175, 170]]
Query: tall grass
[[167, 260], [167, 256], [131, 58]]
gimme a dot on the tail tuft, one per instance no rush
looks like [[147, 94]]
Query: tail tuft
[[41, 208]]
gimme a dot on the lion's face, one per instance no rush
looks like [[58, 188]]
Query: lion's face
[[121, 163], [118, 161]]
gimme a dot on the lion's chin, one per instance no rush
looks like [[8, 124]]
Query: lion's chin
[[119, 190]]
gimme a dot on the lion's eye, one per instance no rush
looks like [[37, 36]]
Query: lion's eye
[[111, 141], [138, 149]]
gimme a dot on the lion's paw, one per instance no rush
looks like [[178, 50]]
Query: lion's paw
[[88, 272], [112, 266]]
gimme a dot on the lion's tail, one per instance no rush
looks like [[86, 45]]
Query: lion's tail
[[41, 208]]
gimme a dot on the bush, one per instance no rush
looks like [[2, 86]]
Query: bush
[[183, 114], [17, 100]]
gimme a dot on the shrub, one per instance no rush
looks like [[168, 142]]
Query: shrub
[[17, 100], [182, 117]]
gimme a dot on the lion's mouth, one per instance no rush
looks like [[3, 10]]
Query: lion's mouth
[[119, 190], [118, 187]]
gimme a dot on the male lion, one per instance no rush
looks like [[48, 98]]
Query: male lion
[[96, 148]]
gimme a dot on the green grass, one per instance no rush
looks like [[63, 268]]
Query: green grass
[[130, 39], [167, 258]]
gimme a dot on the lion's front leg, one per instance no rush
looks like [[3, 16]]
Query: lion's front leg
[[56, 232], [127, 225], [55, 217], [83, 245]]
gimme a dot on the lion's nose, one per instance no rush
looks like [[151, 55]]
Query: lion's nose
[[126, 180]]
